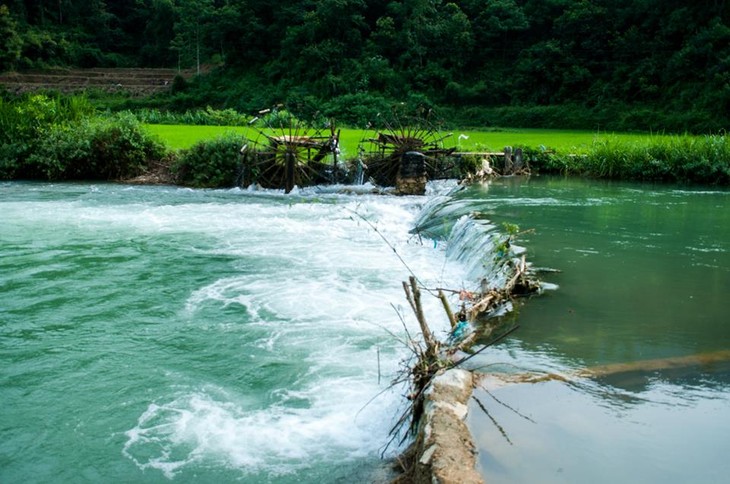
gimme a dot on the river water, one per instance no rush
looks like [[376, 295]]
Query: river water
[[155, 333], [150, 334], [645, 277]]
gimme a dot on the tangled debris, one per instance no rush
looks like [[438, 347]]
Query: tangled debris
[[432, 357]]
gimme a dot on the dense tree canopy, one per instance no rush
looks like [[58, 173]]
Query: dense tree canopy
[[673, 54]]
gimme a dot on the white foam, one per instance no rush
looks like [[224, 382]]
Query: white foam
[[209, 426], [316, 283]]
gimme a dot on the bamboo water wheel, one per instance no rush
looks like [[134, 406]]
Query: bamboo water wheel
[[404, 154], [287, 153]]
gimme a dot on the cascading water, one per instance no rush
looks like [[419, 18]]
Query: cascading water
[[157, 334], [154, 333], [486, 253]]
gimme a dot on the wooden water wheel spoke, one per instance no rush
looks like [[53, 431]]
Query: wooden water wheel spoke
[[288, 155], [403, 154], [308, 174]]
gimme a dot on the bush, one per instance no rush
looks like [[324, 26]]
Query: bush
[[99, 149], [62, 152], [357, 110], [210, 164], [120, 148]]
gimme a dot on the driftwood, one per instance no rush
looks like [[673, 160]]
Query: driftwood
[[601, 371], [434, 355], [413, 294], [477, 305], [496, 164]]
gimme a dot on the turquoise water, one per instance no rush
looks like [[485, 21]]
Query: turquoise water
[[645, 276], [157, 333]]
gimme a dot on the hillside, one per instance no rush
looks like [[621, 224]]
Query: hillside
[[137, 82]]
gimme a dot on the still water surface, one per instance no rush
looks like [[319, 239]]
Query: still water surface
[[157, 333], [645, 275]]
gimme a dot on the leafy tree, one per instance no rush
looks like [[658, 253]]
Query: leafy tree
[[10, 41], [159, 21], [497, 25], [192, 31], [316, 48]]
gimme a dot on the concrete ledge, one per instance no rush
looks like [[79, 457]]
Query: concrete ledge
[[444, 451]]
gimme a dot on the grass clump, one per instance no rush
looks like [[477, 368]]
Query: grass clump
[[678, 159], [198, 117], [674, 159]]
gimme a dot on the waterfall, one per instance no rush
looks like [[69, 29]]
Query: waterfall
[[483, 248]]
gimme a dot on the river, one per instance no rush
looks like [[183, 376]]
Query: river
[[151, 334], [155, 333], [645, 277]]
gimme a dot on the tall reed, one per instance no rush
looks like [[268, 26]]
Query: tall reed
[[677, 159]]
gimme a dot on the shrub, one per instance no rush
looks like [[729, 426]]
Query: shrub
[[210, 164], [120, 148], [99, 149], [357, 109], [31, 125], [63, 150]]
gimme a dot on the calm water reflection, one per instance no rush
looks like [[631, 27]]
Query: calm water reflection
[[645, 275]]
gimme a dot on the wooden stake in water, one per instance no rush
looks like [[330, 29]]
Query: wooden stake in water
[[378, 350]]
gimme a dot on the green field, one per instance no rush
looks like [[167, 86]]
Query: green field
[[185, 136]]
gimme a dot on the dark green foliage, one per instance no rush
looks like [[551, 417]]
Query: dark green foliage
[[357, 110], [210, 164], [25, 118], [10, 41], [99, 149], [119, 149], [179, 84], [56, 138], [590, 64]]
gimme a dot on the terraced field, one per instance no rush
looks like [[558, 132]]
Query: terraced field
[[138, 82]]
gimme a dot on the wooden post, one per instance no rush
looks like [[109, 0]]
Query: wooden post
[[290, 160], [447, 308], [518, 165], [413, 294], [507, 160]]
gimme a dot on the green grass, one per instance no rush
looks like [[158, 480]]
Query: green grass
[[178, 136], [560, 141], [184, 136], [649, 157]]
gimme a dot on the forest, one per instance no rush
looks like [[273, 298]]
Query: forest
[[621, 64]]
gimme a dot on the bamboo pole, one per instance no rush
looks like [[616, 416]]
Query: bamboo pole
[[447, 308], [413, 294]]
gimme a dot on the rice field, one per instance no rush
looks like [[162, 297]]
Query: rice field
[[184, 136], [644, 157]]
